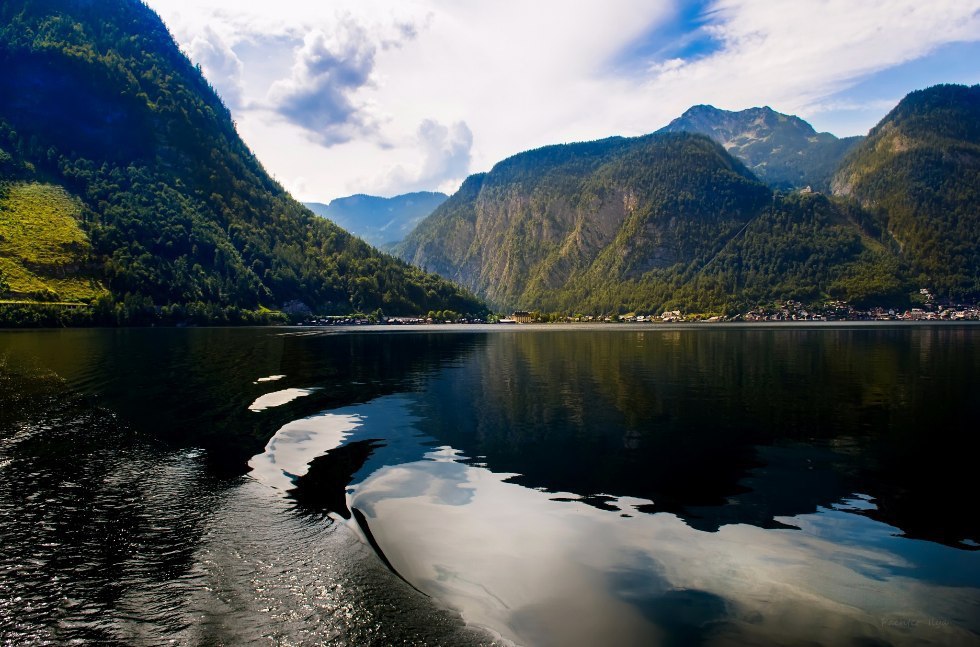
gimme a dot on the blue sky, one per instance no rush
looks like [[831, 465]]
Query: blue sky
[[854, 110], [682, 34], [369, 96]]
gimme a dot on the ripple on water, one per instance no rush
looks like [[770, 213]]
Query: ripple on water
[[107, 538], [271, 576]]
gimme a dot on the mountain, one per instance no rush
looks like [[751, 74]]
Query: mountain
[[381, 222], [919, 171], [662, 221], [124, 183], [672, 220], [783, 151]]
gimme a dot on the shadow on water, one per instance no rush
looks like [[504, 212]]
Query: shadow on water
[[88, 507], [323, 489]]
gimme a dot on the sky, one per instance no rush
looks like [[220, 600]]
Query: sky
[[338, 97]]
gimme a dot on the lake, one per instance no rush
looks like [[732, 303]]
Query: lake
[[617, 485]]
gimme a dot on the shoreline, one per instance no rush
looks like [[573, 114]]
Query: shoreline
[[530, 327]]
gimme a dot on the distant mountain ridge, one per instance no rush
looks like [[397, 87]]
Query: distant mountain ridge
[[784, 151], [382, 222]]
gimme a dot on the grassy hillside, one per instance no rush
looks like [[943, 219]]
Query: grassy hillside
[[183, 221], [44, 253]]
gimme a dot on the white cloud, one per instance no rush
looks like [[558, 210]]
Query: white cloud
[[446, 150], [220, 64], [879, 106], [445, 158], [335, 93], [320, 94], [794, 55]]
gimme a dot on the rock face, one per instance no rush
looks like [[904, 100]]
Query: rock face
[[567, 224], [782, 150]]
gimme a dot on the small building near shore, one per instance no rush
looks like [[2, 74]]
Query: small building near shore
[[522, 316]]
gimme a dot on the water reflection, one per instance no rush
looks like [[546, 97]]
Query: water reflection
[[727, 426], [546, 567], [277, 398], [194, 387], [722, 488], [616, 486], [544, 572], [290, 451], [122, 516]]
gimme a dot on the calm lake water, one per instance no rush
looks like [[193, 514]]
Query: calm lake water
[[463, 486]]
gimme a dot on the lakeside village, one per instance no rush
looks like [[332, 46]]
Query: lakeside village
[[789, 311]]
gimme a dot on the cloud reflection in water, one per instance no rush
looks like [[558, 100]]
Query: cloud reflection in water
[[545, 571], [278, 398], [288, 453]]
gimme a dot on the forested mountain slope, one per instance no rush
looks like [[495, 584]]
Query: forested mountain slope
[[177, 217], [672, 220], [666, 220], [919, 170]]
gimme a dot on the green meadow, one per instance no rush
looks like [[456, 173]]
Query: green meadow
[[44, 253]]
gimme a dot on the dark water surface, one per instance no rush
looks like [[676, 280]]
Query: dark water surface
[[552, 486]]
